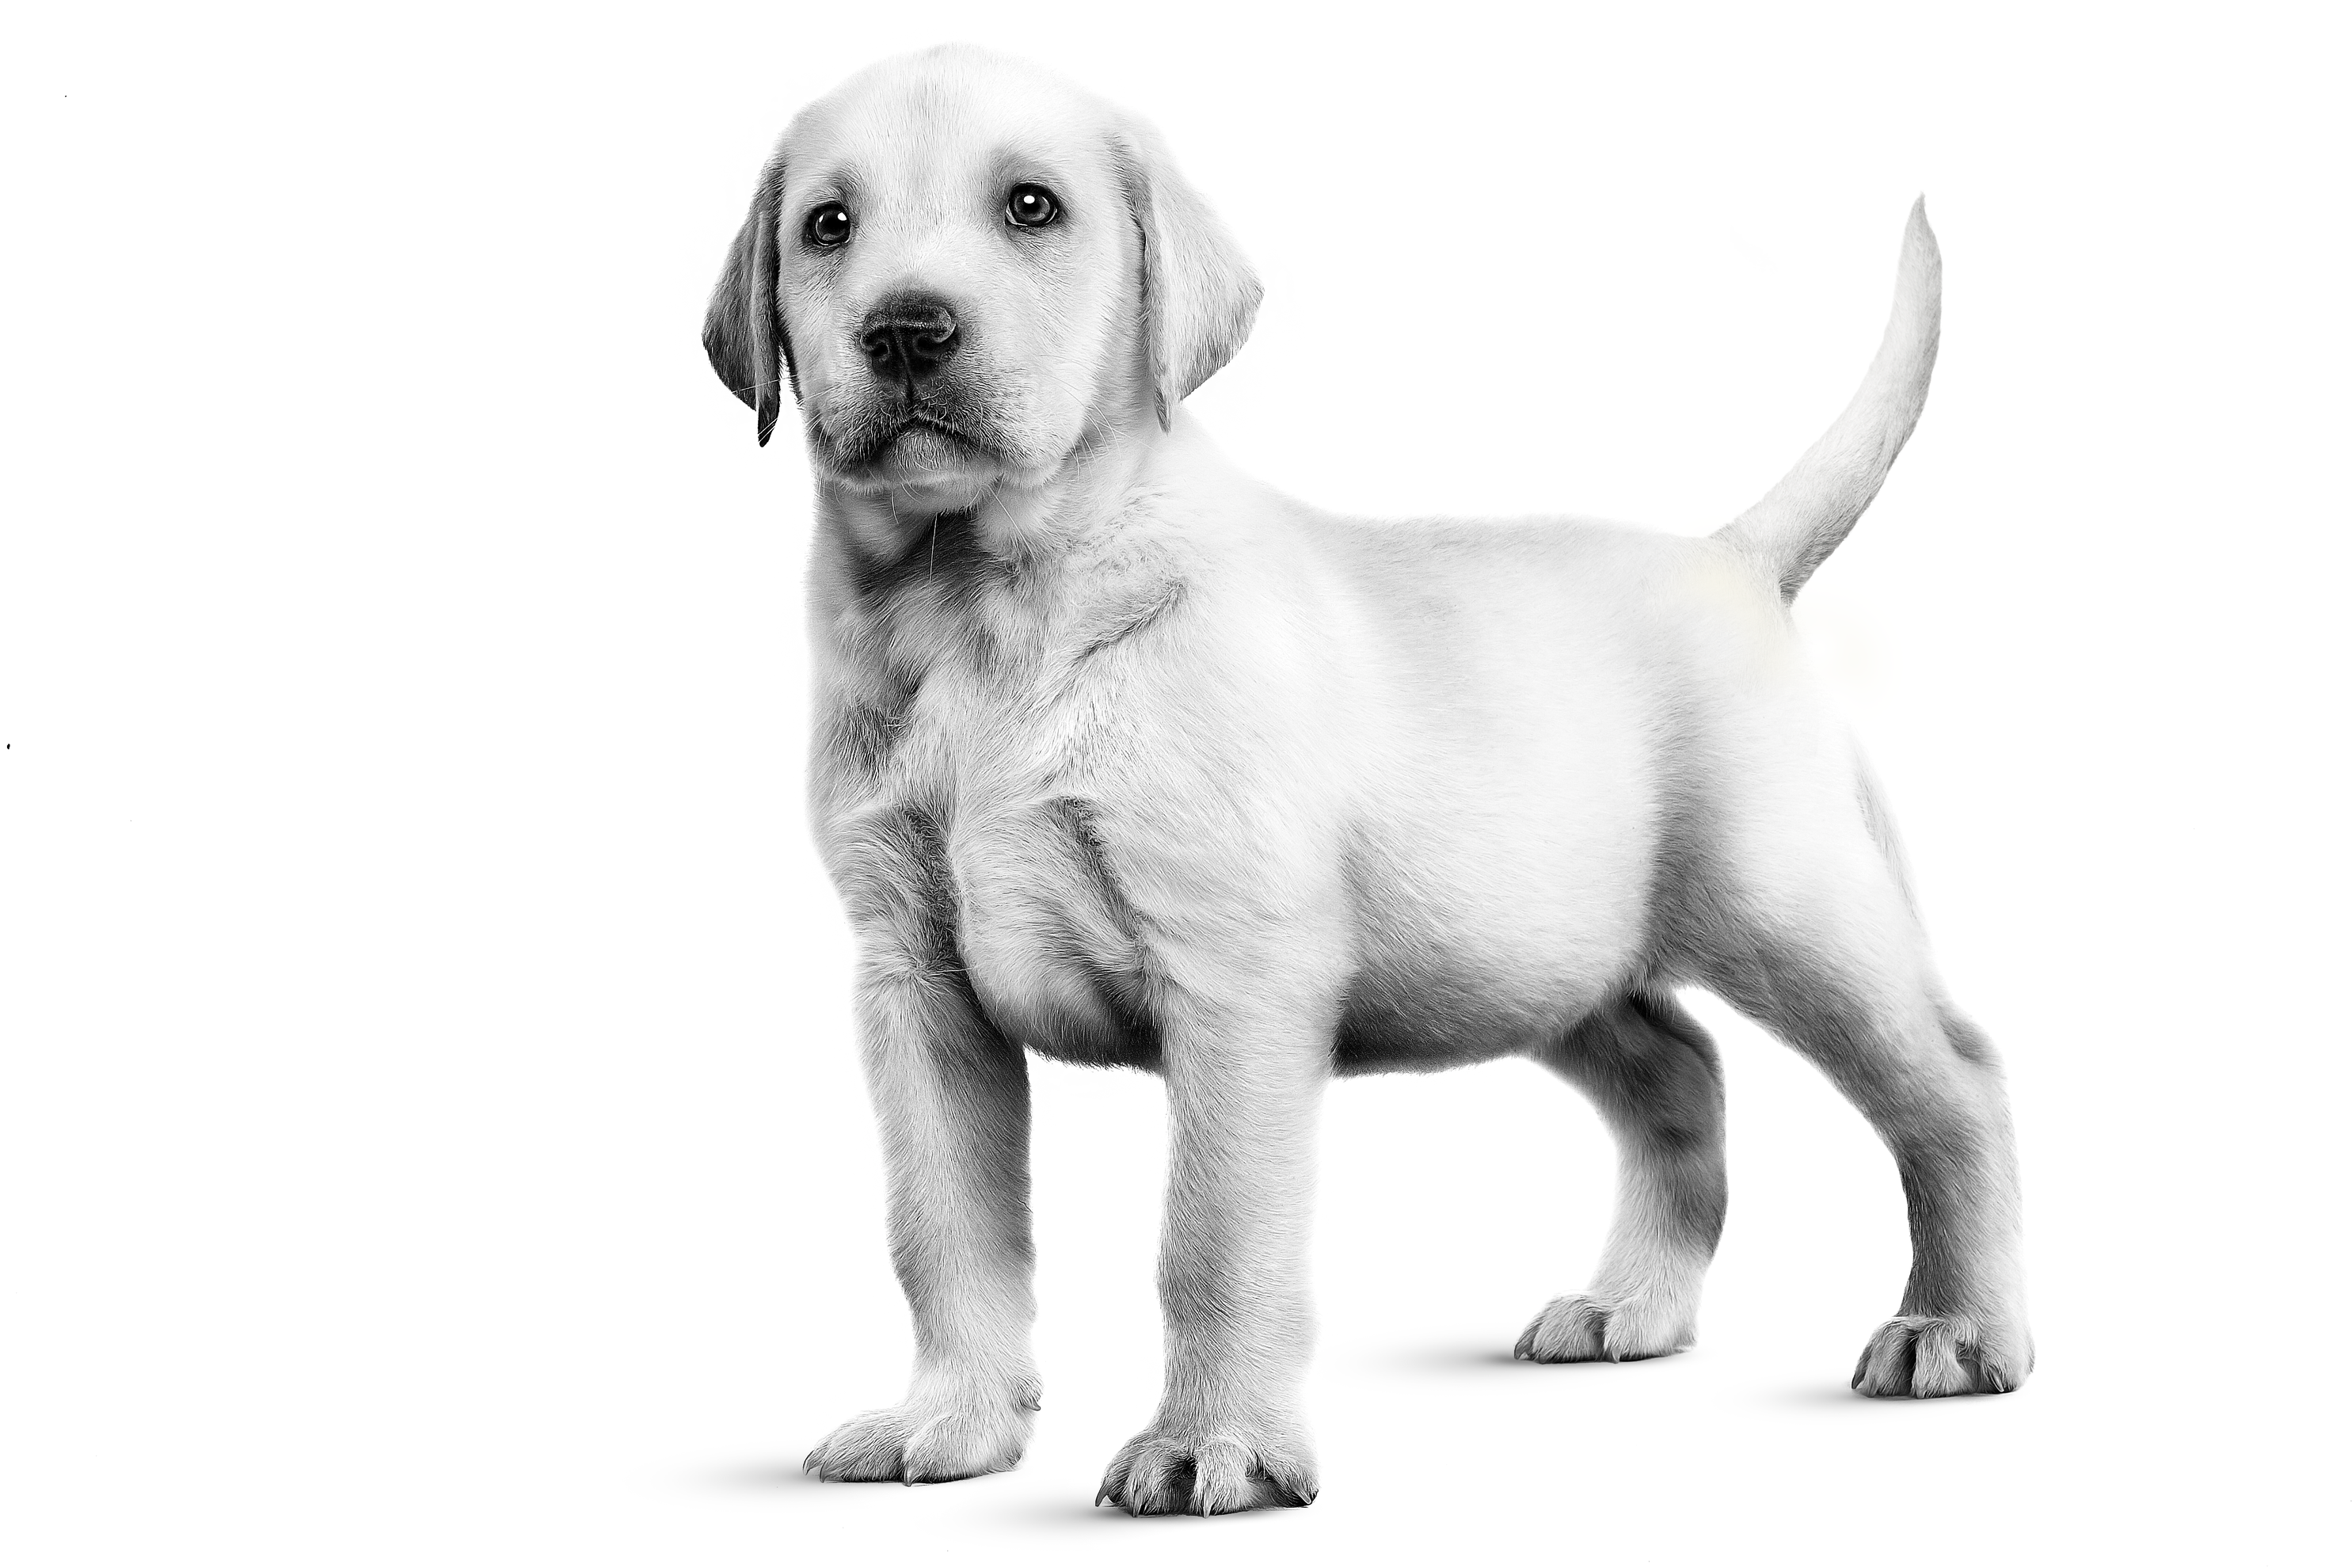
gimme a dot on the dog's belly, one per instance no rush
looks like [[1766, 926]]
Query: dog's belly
[[1430, 1021], [1498, 960]]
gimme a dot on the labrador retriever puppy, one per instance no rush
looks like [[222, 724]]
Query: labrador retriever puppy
[[1125, 759]]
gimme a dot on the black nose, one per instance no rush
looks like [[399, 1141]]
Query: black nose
[[909, 337]]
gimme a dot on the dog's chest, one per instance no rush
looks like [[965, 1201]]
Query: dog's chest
[[1019, 737], [1000, 685]]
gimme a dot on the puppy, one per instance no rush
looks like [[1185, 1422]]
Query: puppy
[[1124, 759]]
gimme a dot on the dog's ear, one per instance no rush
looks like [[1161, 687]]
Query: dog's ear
[[1199, 294], [743, 332]]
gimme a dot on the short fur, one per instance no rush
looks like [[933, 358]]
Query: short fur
[[1125, 759]]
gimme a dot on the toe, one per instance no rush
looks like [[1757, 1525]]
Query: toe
[[1936, 1370], [860, 1450], [943, 1450], [1884, 1369], [1158, 1481], [1569, 1329], [1223, 1477]]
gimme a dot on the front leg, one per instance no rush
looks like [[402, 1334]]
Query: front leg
[[1243, 1086], [952, 1097]]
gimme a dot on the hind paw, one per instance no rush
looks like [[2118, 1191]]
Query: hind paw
[[925, 1441], [1589, 1328]]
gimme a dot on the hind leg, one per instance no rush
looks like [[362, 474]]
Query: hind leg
[[1839, 970], [1652, 1072]]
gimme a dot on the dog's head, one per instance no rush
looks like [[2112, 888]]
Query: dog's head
[[966, 271]]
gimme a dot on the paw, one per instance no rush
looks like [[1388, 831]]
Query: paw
[[1587, 1328], [1225, 1469], [1928, 1358], [924, 1440]]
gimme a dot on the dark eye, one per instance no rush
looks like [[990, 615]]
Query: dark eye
[[1032, 206], [829, 225]]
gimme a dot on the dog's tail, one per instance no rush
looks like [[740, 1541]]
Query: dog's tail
[[1793, 529]]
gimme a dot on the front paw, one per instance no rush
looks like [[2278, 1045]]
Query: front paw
[[926, 1441], [1930, 1358], [1210, 1467], [1589, 1328]]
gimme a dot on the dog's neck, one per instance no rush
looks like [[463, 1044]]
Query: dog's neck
[[1026, 573]]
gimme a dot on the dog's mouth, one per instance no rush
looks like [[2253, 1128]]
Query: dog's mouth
[[904, 442]]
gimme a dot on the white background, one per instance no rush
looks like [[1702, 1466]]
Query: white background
[[430, 1132]]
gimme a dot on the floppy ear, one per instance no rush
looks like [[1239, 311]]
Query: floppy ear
[[1199, 294], [743, 331]]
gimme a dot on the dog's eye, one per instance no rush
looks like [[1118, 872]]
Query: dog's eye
[[829, 225], [1032, 206]]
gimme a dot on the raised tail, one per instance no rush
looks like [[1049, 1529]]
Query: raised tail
[[1804, 517]]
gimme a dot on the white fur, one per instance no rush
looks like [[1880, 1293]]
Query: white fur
[[1125, 758]]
